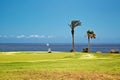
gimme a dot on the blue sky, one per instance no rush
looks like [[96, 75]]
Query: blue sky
[[46, 21]]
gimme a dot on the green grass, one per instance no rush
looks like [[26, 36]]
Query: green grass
[[58, 63]]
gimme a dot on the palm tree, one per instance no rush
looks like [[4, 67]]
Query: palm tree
[[90, 35], [74, 24]]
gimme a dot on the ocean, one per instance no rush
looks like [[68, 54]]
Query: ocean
[[64, 47]]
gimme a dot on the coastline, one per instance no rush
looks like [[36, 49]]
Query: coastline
[[59, 47]]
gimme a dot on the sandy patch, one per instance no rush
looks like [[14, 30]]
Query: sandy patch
[[9, 53], [58, 75], [87, 56]]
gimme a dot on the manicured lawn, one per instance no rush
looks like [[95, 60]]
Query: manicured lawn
[[58, 66]]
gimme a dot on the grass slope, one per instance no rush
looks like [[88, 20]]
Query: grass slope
[[58, 66]]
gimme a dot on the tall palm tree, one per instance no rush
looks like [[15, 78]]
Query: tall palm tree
[[74, 24], [90, 35]]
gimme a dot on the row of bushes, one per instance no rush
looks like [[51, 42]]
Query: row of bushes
[[111, 51]]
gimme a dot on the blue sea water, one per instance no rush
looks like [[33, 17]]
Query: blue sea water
[[56, 47]]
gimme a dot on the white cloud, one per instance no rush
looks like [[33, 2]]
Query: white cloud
[[33, 36], [4, 36], [21, 36], [50, 36], [42, 36], [27, 36], [36, 36]]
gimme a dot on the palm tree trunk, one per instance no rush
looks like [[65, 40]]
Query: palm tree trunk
[[88, 44], [73, 48]]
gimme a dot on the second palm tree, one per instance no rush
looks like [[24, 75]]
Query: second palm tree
[[90, 35]]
